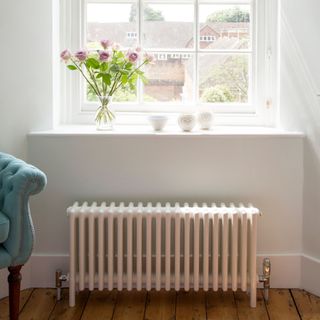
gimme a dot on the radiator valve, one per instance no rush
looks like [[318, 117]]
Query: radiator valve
[[265, 278], [59, 279]]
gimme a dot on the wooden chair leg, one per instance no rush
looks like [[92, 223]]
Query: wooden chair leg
[[14, 280]]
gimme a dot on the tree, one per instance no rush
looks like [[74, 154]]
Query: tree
[[234, 14], [150, 14], [218, 93], [226, 81]]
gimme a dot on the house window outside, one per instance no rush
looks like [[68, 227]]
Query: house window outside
[[208, 53], [132, 35]]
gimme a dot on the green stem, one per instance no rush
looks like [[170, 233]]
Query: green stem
[[111, 92], [93, 79], [83, 74], [116, 85], [104, 112], [130, 75]]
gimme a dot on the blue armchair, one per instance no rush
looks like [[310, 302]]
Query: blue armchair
[[18, 180]]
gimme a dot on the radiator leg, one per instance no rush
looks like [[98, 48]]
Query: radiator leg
[[253, 297], [253, 262], [72, 297]]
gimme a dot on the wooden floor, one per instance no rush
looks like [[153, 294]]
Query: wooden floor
[[41, 304]]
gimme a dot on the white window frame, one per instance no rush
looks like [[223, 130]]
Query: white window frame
[[264, 105]]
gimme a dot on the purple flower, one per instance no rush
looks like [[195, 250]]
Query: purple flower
[[105, 43], [149, 58], [81, 55], [104, 55], [65, 55], [132, 56]]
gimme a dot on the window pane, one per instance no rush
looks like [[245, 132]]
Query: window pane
[[168, 26], [113, 21], [224, 78], [224, 27], [170, 78]]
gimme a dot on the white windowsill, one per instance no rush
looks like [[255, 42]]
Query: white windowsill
[[143, 130]]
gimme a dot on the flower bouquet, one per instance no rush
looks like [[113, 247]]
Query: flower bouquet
[[106, 71]]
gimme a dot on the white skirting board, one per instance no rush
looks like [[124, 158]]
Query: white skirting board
[[39, 272], [311, 274]]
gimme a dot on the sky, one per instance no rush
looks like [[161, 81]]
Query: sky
[[102, 12]]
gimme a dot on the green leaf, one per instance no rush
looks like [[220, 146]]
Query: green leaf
[[104, 66], [93, 63], [106, 79], [72, 67], [132, 87], [124, 79], [114, 68], [124, 72], [134, 78], [120, 54]]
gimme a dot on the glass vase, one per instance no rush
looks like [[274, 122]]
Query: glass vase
[[105, 117]]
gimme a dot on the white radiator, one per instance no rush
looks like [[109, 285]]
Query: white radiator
[[170, 247]]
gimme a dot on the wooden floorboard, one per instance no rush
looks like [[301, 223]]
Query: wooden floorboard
[[100, 305], [160, 305], [191, 305], [283, 304], [307, 304], [221, 305], [4, 303], [40, 305], [62, 310], [244, 311], [130, 305]]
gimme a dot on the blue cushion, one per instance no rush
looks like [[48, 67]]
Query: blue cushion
[[4, 227]]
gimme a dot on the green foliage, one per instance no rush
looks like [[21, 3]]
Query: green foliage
[[234, 14], [216, 94], [226, 81], [149, 14], [147, 98], [93, 63], [122, 95], [107, 78], [71, 67], [125, 96]]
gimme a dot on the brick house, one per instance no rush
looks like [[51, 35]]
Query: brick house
[[173, 70]]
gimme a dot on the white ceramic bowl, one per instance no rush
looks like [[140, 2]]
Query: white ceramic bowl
[[205, 120], [158, 122], [187, 121]]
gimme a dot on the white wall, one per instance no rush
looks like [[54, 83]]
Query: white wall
[[25, 79], [26, 71], [264, 170], [300, 109]]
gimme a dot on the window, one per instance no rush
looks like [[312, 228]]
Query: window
[[131, 35], [207, 38], [211, 54]]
